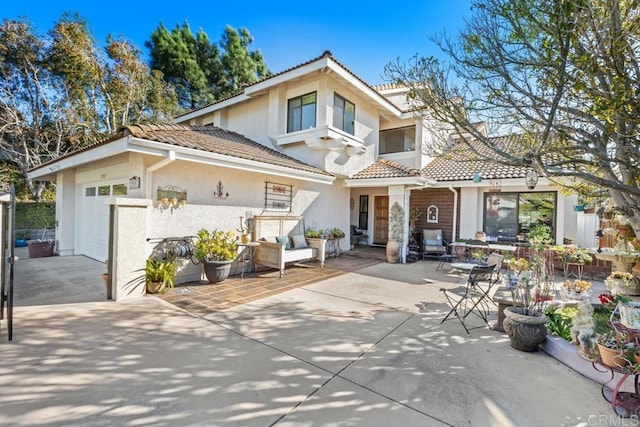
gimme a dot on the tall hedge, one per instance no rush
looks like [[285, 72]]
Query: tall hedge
[[35, 215]]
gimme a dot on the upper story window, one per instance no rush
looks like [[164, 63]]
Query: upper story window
[[398, 140], [344, 114], [301, 112]]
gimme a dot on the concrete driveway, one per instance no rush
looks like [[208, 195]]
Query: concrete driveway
[[359, 349]]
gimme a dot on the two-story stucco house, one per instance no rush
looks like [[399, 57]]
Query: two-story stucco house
[[338, 151]]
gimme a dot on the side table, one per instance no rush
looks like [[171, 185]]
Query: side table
[[249, 248], [579, 269], [625, 404]]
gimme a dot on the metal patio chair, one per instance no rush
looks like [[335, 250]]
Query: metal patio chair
[[472, 298]]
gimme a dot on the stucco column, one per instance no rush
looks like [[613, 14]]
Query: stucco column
[[397, 194], [127, 246], [65, 212]]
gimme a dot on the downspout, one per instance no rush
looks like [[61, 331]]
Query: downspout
[[455, 212], [171, 157]]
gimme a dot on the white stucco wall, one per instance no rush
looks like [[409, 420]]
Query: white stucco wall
[[471, 206], [327, 205]]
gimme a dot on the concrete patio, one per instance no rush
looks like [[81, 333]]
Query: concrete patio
[[357, 347]]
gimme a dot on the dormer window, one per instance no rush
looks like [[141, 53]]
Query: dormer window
[[301, 112], [344, 114]]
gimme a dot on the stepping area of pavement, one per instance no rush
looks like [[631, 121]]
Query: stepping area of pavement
[[360, 346]]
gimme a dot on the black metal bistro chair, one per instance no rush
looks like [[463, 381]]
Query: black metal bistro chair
[[473, 297]]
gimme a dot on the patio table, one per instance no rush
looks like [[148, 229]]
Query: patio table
[[464, 267]]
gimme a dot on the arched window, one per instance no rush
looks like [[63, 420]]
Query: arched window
[[432, 214]]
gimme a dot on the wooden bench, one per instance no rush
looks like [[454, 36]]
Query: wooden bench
[[275, 255]]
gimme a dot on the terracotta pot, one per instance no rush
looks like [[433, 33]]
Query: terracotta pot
[[612, 357], [525, 333], [393, 250], [216, 271], [105, 278]]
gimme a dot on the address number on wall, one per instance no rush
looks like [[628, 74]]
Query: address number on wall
[[277, 197]]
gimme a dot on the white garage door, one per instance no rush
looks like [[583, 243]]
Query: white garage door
[[92, 232]]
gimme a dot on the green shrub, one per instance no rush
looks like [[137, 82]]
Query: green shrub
[[559, 323]]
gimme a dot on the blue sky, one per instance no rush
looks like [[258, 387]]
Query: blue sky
[[363, 35]]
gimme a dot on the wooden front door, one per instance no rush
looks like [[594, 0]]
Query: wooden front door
[[381, 220]]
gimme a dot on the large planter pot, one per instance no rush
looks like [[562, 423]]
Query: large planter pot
[[393, 250], [40, 248], [526, 333], [217, 271]]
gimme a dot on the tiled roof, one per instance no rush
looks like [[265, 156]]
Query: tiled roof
[[458, 163], [205, 138], [386, 169], [215, 140]]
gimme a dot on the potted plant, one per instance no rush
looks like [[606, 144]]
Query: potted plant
[[525, 320], [216, 250], [396, 228], [478, 257], [577, 289], [617, 349], [618, 282], [159, 275]]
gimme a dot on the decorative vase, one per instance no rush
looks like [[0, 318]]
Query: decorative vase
[[612, 357], [217, 271], [393, 250], [525, 333]]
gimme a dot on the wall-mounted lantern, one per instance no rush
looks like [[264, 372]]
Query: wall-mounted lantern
[[531, 178]]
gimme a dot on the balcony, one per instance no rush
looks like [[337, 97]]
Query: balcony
[[324, 138]]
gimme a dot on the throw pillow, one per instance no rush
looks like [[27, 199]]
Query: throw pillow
[[284, 240], [270, 239], [431, 242], [299, 241]]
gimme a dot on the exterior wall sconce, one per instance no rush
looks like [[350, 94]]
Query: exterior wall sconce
[[171, 197], [219, 193], [531, 178]]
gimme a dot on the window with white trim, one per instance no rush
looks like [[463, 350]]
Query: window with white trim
[[344, 114], [301, 112]]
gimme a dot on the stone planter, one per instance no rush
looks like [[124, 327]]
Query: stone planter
[[617, 286], [526, 333], [216, 271]]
